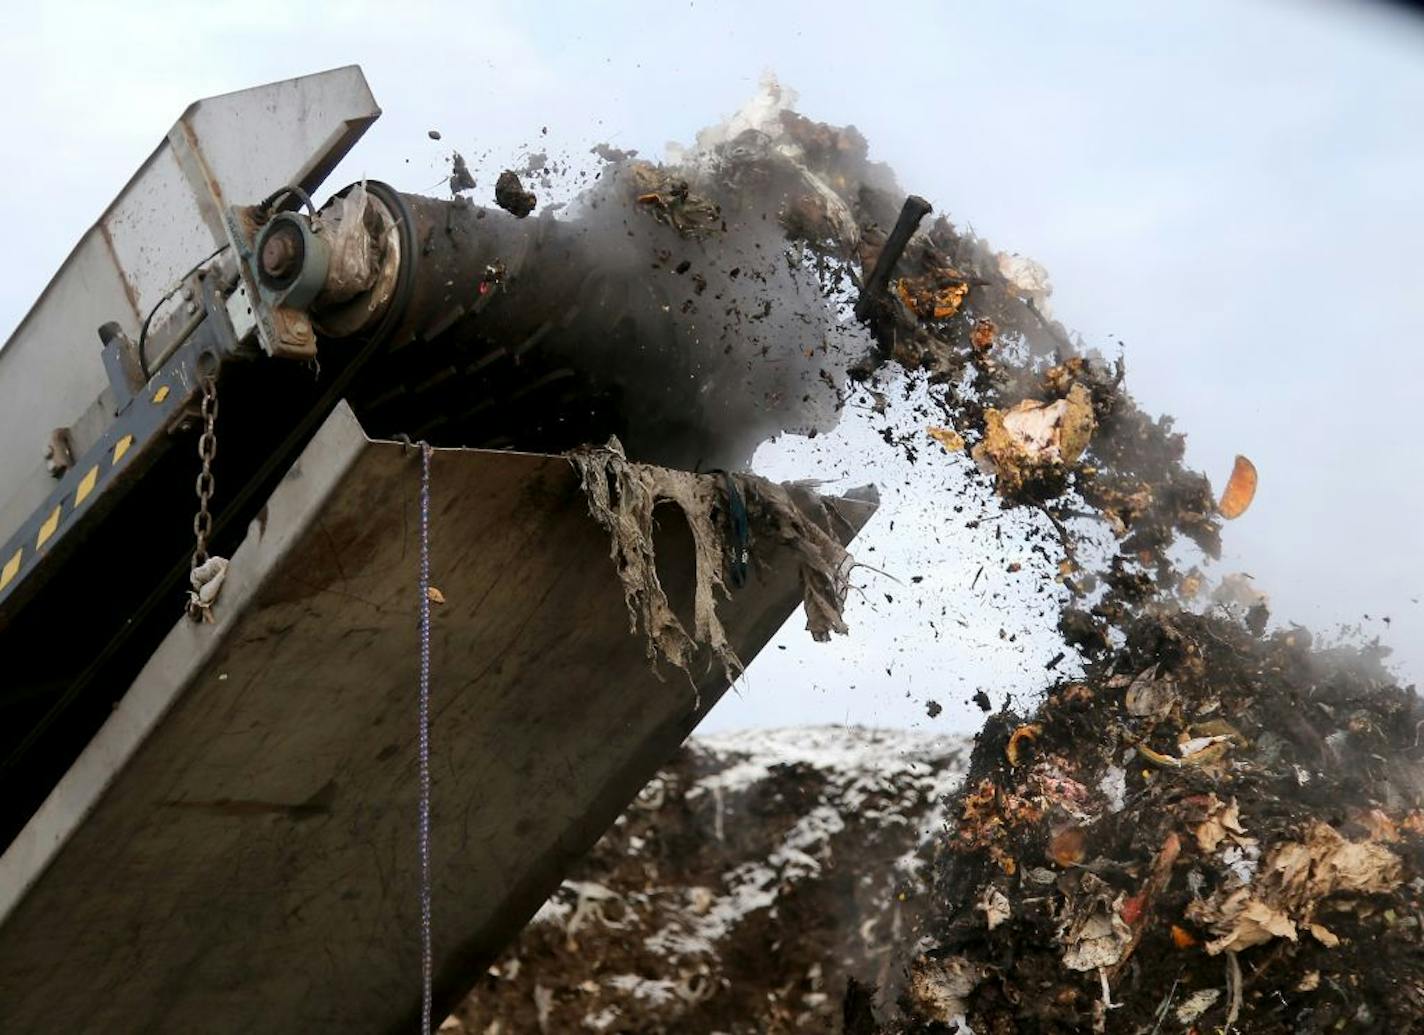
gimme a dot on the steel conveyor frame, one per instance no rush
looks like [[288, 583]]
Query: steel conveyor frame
[[235, 849]]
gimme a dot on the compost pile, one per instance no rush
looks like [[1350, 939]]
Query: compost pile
[[1217, 828], [753, 875], [1214, 831]]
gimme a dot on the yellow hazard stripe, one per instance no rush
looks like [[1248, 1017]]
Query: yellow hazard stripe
[[82, 492], [47, 529], [11, 569], [86, 486], [161, 394]]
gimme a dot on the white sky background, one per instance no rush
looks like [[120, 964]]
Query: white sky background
[[1231, 189]]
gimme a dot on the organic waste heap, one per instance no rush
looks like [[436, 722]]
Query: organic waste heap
[[1216, 827], [750, 878], [1213, 831]]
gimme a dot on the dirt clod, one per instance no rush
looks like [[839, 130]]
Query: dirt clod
[[510, 195], [461, 179]]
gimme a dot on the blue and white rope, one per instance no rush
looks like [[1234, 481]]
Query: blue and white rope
[[427, 965]]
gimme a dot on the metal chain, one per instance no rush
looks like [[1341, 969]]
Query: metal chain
[[426, 954], [207, 449]]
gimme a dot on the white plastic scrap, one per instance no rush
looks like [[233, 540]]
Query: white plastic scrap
[[1114, 787], [1098, 942], [352, 262], [1095, 935], [207, 581], [995, 907], [1197, 1004], [1028, 278], [941, 987]]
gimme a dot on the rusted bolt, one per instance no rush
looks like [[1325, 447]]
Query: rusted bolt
[[281, 252]]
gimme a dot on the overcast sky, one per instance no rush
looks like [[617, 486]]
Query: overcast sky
[[1231, 189]]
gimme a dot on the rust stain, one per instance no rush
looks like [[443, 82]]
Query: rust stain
[[200, 160], [129, 291]]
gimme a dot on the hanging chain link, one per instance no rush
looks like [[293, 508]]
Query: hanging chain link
[[207, 573], [207, 449], [426, 954]]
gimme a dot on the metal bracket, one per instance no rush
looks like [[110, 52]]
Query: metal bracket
[[284, 327], [122, 363]]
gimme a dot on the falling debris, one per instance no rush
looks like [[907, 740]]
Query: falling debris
[[995, 907], [1068, 847], [510, 195], [1098, 936], [433, 134], [671, 200], [1195, 1005], [611, 154], [952, 440], [939, 988], [1239, 590], [461, 178], [1149, 695], [1240, 489]]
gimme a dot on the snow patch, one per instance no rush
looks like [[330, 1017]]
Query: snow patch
[[654, 990]]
